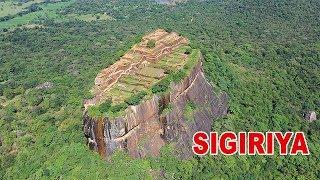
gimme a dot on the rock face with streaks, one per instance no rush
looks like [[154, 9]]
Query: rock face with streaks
[[146, 127], [173, 117]]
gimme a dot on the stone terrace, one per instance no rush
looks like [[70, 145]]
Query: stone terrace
[[140, 67]]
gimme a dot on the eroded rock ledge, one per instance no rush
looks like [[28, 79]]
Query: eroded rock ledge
[[190, 106]]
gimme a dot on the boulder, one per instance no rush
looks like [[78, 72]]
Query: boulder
[[46, 85], [311, 116]]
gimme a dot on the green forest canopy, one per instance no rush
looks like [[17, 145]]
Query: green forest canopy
[[264, 54]]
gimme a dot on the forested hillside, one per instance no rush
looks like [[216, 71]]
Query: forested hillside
[[264, 54]]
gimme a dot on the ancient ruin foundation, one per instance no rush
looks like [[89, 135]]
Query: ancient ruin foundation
[[172, 117], [140, 64]]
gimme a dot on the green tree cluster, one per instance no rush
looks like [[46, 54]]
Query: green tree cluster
[[264, 54]]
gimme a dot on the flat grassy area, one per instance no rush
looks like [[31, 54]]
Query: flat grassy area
[[118, 95], [172, 62], [48, 11], [136, 80], [151, 72], [12, 8]]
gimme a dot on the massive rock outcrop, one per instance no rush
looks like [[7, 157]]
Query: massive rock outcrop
[[145, 128], [173, 117]]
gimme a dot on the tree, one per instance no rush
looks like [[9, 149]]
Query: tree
[[151, 44], [188, 50], [8, 93], [105, 106], [34, 97], [94, 112], [136, 99], [118, 107]]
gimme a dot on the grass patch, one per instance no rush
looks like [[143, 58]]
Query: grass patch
[[151, 72], [13, 8], [132, 80], [189, 111], [49, 11], [163, 85], [151, 44], [118, 95], [168, 109]]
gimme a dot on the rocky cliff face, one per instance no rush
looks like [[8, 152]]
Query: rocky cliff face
[[191, 106]]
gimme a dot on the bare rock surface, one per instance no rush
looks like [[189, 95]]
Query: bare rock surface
[[311, 116], [145, 128], [46, 85]]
